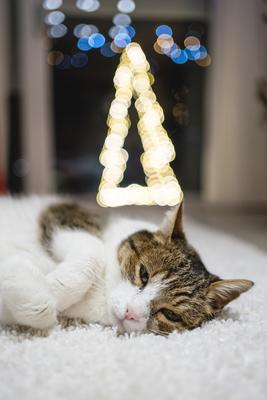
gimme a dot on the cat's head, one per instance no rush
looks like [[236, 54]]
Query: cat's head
[[165, 285]]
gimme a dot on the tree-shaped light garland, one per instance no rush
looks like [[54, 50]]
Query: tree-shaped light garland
[[133, 79]]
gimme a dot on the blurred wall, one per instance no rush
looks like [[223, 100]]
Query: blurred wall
[[150, 9], [235, 159], [36, 87], [3, 86]]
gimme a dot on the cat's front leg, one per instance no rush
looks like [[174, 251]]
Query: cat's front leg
[[25, 295], [81, 256]]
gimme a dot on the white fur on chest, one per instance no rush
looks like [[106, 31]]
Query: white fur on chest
[[95, 305]]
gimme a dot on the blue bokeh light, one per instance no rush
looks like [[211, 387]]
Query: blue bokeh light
[[55, 18], [114, 30], [84, 30], [122, 40], [83, 44], [164, 30], [181, 59], [121, 19], [192, 55], [126, 6], [131, 31], [66, 63], [57, 31], [52, 4], [96, 40], [203, 52], [106, 50], [79, 60], [174, 51]]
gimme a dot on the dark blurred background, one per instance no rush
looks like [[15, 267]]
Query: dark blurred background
[[54, 102]]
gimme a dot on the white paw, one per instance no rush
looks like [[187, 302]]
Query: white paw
[[26, 294], [30, 308]]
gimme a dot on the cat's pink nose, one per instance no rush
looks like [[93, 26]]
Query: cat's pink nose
[[130, 314]]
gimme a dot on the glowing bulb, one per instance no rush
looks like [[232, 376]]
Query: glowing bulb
[[126, 6], [54, 18], [135, 54], [52, 4]]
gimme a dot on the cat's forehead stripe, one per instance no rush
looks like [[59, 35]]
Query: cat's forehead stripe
[[133, 246]]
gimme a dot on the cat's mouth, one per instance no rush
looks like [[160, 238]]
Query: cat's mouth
[[124, 325]]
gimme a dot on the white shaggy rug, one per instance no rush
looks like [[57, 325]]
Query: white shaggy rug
[[225, 359]]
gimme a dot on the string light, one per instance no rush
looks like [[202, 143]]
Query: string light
[[84, 30], [126, 6], [57, 31], [79, 60], [54, 18], [96, 40], [88, 5], [52, 4], [121, 19], [83, 44], [106, 50], [193, 50], [55, 57], [133, 80]]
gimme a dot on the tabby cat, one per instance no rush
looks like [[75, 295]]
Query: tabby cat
[[59, 258]]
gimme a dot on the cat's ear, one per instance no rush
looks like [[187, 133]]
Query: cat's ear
[[223, 291], [172, 227]]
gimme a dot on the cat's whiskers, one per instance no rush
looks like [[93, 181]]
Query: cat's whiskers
[[158, 332]]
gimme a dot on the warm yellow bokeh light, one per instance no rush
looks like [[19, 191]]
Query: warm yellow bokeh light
[[133, 79]]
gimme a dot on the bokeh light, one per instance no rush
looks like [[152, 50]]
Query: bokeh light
[[193, 50], [84, 30], [122, 40], [175, 51], [204, 62], [115, 48], [131, 31], [106, 50], [126, 6], [88, 5], [52, 4], [83, 44], [203, 52], [96, 40], [133, 80], [192, 55], [54, 18], [55, 57], [57, 31], [121, 19], [79, 60], [165, 42], [66, 63], [181, 58], [164, 30], [192, 43], [115, 30], [157, 48]]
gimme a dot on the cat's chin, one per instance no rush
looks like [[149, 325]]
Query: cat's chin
[[130, 326]]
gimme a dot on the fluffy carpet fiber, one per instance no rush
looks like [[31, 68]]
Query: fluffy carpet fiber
[[224, 359]]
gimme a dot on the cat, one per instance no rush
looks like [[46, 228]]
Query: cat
[[59, 258]]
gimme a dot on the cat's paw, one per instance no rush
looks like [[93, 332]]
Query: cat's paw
[[34, 309], [26, 294]]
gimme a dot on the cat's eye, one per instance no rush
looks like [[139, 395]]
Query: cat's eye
[[143, 275], [170, 315]]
